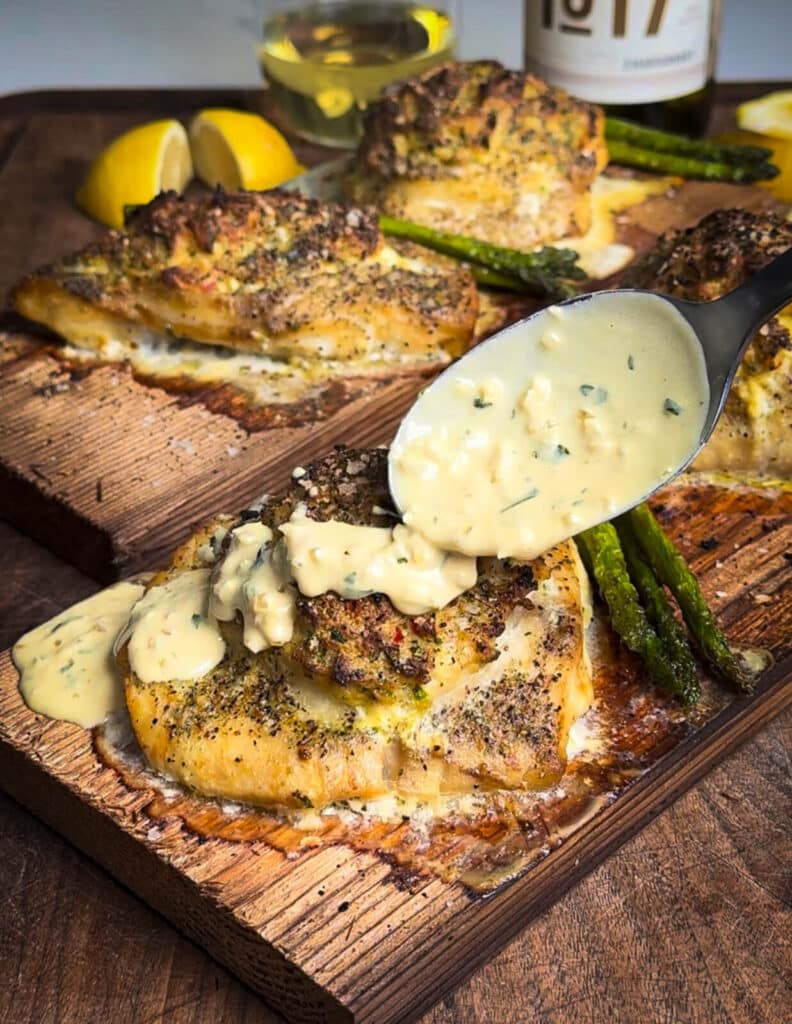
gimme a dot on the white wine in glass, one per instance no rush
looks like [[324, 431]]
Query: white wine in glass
[[325, 62]]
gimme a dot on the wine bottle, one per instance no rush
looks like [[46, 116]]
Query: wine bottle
[[648, 61]]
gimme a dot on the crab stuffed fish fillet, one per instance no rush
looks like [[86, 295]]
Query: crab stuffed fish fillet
[[476, 149], [364, 701], [271, 273]]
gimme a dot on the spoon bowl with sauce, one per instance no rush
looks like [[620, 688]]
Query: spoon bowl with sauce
[[573, 415]]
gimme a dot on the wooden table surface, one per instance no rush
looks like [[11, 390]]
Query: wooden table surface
[[688, 923]]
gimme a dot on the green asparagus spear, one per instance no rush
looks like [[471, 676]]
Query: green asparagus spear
[[637, 135], [671, 568], [658, 608], [495, 279], [548, 270], [687, 166], [602, 551]]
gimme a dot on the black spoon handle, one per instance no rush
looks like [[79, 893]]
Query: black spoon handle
[[725, 327], [755, 301]]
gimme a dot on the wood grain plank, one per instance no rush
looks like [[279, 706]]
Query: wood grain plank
[[111, 473]]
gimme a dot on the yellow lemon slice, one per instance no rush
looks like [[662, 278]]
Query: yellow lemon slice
[[134, 168], [769, 115], [239, 150], [781, 186]]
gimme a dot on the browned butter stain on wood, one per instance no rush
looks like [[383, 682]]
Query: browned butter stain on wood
[[110, 472], [334, 933]]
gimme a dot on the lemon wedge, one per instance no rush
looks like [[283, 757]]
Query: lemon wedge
[[768, 115], [239, 150], [134, 168], [780, 186]]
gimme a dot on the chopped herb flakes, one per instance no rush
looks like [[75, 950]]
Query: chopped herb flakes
[[600, 395], [197, 619], [561, 450], [402, 560], [526, 497], [671, 407], [480, 403], [630, 363]]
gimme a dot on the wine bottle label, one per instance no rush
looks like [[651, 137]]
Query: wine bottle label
[[619, 51]]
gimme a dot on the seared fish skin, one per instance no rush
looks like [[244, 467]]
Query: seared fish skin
[[366, 702], [703, 263], [475, 149], [274, 273]]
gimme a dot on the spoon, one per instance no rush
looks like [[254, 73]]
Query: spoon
[[726, 327], [428, 486]]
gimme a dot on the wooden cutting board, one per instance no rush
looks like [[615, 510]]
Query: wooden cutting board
[[342, 934], [335, 934], [111, 473]]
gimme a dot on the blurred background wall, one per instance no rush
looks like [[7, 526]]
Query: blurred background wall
[[55, 43]]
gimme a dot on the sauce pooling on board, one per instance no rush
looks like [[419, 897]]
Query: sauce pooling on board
[[66, 665], [557, 424]]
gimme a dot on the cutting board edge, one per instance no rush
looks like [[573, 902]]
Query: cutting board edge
[[86, 827], [54, 524]]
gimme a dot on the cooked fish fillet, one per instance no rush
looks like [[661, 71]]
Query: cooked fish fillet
[[476, 149], [273, 273], [703, 263], [366, 702]]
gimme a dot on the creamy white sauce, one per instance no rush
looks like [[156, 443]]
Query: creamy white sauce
[[756, 660], [259, 575], [254, 580], [171, 632], [66, 665], [355, 561], [556, 424], [263, 378]]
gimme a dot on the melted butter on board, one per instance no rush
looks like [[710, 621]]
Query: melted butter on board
[[600, 255], [66, 665], [265, 380], [556, 424]]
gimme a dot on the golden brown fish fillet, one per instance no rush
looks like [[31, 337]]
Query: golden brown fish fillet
[[703, 263], [476, 149], [366, 702], [273, 273]]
